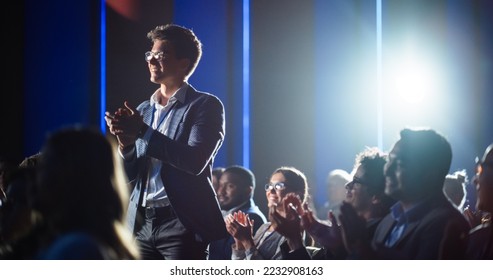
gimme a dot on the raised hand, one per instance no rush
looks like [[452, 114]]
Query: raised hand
[[289, 225], [473, 218], [327, 235], [240, 226], [125, 124], [355, 235]]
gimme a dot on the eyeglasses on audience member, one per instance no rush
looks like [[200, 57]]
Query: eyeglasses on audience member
[[279, 186]]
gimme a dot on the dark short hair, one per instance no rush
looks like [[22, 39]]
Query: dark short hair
[[428, 149], [246, 176], [373, 161], [32, 160], [185, 42], [218, 171]]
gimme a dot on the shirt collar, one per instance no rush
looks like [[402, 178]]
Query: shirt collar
[[397, 211], [402, 216], [179, 95]]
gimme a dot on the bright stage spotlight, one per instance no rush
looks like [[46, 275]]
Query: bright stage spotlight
[[415, 84], [414, 77]]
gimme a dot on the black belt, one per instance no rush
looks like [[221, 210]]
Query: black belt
[[160, 213]]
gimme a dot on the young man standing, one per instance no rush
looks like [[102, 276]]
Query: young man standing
[[168, 144]]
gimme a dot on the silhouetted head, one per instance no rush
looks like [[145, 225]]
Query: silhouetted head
[[366, 191], [417, 165], [484, 180], [79, 184]]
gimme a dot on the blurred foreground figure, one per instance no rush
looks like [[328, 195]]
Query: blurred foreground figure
[[81, 197], [481, 236]]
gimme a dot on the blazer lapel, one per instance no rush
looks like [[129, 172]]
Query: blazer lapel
[[147, 117], [416, 218], [410, 228], [176, 118], [386, 226], [179, 112], [147, 114]]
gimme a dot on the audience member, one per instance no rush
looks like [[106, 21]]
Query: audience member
[[6, 167], [266, 242], [19, 224], [31, 161], [336, 193], [216, 175], [16, 224], [480, 244], [415, 227], [365, 193], [235, 193], [454, 188], [81, 195]]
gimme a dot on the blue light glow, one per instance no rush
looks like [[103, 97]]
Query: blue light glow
[[103, 66], [246, 83], [379, 76]]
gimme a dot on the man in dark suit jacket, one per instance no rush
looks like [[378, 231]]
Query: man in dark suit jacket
[[168, 144], [235, 193], [416, 225]]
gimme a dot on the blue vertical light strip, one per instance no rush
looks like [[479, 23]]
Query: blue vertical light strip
[[379, 75], [246, 83], [103, 66]]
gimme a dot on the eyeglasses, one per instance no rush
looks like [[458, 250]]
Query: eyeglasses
[[480, 165], [350, 185], [156, 55], [279, 186]]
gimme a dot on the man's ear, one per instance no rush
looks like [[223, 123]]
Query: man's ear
[[184, 65], [249, 191]]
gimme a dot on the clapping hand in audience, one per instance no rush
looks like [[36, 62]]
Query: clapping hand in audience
[[240, 226]]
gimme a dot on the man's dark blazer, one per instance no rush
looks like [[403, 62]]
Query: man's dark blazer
[[195, 133], [422, 238]]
